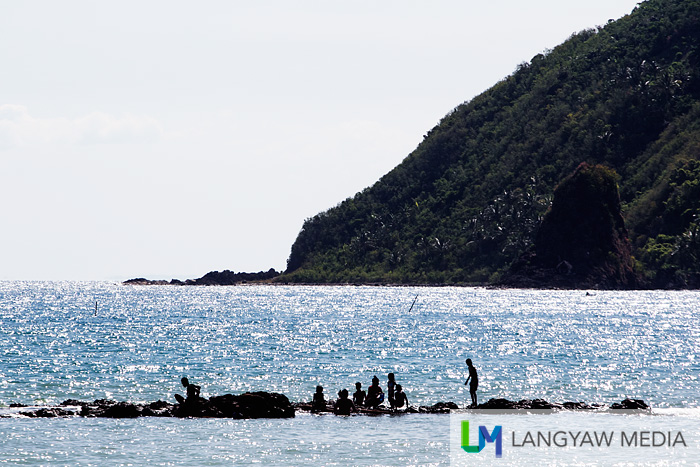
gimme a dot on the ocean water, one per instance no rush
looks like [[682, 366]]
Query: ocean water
[[138, 342]]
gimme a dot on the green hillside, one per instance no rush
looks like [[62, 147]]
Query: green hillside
[[469, 200]]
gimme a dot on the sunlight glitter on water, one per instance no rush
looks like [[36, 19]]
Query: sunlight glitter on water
[[528, 343], [557, 345]]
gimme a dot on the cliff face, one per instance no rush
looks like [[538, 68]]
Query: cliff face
[[582, 241]]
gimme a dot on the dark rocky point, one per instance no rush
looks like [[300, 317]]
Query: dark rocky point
[[225, 277], [582, 242]]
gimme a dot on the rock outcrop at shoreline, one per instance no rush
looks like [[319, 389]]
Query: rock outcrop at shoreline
[[491, 404], [582, 241], [225, 277], [525, 404], [274, 405], [247, 405], [439, 408]]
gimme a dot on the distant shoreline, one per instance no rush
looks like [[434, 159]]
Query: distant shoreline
[[273, 278]]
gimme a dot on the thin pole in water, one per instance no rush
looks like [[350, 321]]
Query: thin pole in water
[[414, 302], [95, 307]]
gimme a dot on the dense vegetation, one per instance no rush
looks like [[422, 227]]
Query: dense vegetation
[[470, 199], [582, 241]]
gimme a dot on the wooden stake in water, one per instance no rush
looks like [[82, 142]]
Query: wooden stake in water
[[95, 307], [414, 302]]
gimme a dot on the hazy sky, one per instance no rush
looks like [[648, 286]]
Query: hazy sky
[[168, 139]]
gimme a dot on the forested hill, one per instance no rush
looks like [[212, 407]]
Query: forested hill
[[468, 201]]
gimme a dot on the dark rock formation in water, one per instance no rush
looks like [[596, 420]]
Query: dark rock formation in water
[[582, 242], [247, 405], [440, 407], [48, 412], [491, 404], [630, 404], [106, 408], [525, 404], [273, 405], [232, 278], [505, 404], [225, 277], [144, 281]]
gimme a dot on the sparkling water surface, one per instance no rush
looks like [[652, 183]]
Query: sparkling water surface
[[556, 345]]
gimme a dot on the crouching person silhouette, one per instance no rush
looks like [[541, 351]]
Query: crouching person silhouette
[[400, 398], [192, 391]]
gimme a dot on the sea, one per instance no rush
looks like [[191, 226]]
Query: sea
[[102, 340]]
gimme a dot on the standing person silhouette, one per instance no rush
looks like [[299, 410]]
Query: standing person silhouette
[[391, 388], [474, 381]]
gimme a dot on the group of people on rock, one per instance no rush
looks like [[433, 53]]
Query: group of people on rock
[[372, 398]]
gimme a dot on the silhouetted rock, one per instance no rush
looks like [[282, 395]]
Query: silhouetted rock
[[122, 410], [525, 404], [505, 404], [48, 412], [248, 405], [630, 404], [273, 405], [74, 403], [499, 404], [582, 242], [144, 281], [440, 407], [580, 406], [103, 402], [252, 405], [158, 409], [197, 408], [225, 277]]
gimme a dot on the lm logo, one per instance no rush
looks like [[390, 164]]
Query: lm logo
[[484, 437]]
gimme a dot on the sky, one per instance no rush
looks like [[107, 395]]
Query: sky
[[167, 139]]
